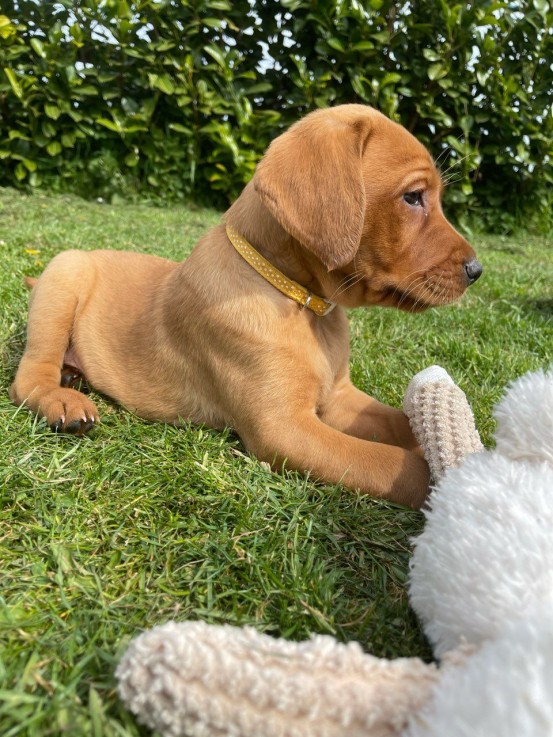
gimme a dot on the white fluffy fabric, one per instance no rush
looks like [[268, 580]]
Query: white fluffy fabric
[[485, 556], [525, 418], [504, 689]]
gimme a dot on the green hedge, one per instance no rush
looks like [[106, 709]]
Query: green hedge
[[174, 99]]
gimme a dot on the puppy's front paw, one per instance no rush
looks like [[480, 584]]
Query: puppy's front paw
[[67, 410]]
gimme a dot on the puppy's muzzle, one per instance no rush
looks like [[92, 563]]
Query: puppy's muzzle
[[473, 270]]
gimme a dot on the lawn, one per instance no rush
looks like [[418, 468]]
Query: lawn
[[104, 536]]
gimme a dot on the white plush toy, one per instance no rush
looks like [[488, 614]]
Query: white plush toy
[[481, 581]]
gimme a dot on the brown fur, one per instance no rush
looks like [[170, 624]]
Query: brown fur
[[209, 340]]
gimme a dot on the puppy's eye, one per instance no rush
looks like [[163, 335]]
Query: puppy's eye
[[413, 198]]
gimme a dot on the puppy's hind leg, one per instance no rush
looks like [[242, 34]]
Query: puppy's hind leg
[[55, 298]]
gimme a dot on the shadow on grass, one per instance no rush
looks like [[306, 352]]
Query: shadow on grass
[[542, 307]]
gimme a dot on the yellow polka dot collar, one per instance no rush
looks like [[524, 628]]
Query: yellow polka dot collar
[[319, 305]]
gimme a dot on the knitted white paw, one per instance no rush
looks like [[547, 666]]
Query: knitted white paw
[[429, 375], [441, 420]]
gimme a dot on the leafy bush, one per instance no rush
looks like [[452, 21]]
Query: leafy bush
[[178, 99]]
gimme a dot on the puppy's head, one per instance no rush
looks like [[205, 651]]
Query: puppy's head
[[363, 196]]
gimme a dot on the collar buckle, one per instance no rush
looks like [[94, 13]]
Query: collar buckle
[[329, 306]]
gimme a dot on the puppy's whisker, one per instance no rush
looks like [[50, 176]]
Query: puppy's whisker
[[450, 295], [348, 286], [447, 150], [347, 282], [414, 273], [421, 298], [406, 289], [407, 293], [344, 284], [416, 301], [351, 277], [452, 180], [439, 295], [400, 288], [444, 296], [455, 164], [451, 175], [443, 155]]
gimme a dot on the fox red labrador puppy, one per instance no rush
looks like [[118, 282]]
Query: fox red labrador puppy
[[344, 208]]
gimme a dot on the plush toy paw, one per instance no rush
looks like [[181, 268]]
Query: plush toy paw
[[441, 420]]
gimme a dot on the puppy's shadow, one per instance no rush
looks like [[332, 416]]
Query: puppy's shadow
[[542, 307]]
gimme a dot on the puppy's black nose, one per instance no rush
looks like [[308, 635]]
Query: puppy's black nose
[[473, 270]]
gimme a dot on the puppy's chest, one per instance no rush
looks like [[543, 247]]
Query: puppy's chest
[[317, 355], [331, 334]]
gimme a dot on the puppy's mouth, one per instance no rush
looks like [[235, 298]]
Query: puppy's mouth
[[415, 294], [406, 301], [430, 294]]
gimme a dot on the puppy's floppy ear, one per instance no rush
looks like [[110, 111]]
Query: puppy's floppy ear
[[311, 181]]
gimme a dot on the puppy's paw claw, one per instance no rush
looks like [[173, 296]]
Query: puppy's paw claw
[[80, 427], [89, 425], [67, 410], [75, 427]]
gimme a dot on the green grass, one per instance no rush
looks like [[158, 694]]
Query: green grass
[[102, 537]]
